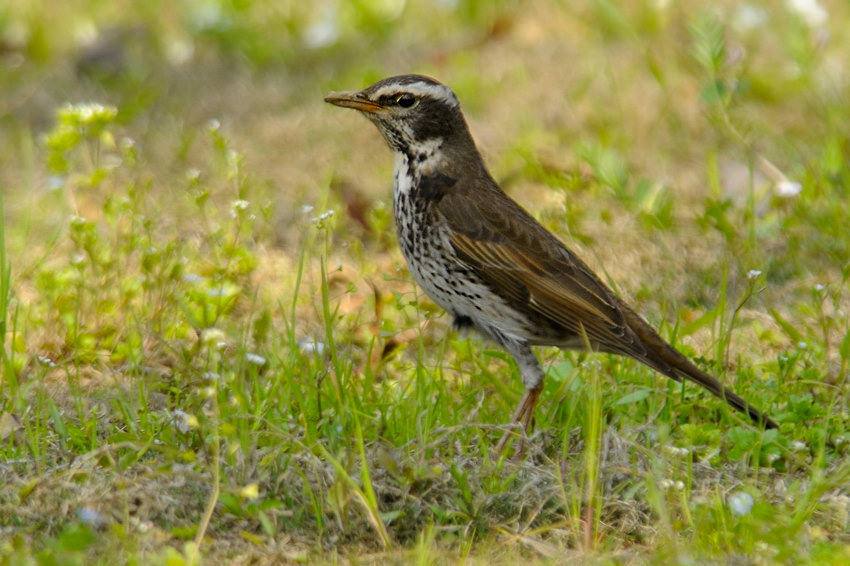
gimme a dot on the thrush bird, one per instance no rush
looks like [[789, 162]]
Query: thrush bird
[[488, 262]]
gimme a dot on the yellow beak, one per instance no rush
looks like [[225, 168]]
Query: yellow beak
[[354, 100]]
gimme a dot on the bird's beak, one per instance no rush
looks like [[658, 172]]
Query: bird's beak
[[356, 100]]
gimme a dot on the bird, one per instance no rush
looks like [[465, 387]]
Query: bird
[[487, 262]]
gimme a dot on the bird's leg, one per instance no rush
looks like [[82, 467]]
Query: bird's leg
[[524, 414], [532, 377], [525, 410]]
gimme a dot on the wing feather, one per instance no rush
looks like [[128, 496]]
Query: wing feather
[[533, 270]]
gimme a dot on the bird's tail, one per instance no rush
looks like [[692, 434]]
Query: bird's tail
[[665, 359]]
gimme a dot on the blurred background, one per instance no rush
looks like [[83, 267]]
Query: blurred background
[[647, 99]]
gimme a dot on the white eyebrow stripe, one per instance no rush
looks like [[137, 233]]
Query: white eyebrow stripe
[[438, 92]]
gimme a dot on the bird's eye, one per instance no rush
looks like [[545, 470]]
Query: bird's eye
[[405, 100]]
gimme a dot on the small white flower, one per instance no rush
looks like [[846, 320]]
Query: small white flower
[[820, 287], [753, 273], [217, 292], [740, 503], [802, 345], [55, 182], [144, 527], [255, 359], [322, 217], [747, 17], [323, 32], [799, 446], [309, 346], [237, 207], [788, 189], [88, 113], [212, 335], [810, 10], [179, 51], [91, 517], [676, 450], [184, 421]]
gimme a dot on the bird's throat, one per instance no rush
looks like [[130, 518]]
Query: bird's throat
[[405, 175], [418, 160]]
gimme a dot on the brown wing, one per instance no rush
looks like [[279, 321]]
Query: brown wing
[[532, 269]]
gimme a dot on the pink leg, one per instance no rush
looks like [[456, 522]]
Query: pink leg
[[524, 414]]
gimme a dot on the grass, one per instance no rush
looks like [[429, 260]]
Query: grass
[[213, 352]]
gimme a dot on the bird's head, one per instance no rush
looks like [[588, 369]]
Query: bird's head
[[409, 110]]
